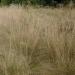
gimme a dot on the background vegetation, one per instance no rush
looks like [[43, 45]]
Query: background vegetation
[[36, 2]]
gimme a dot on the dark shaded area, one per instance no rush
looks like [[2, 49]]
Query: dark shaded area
[[36, 2]]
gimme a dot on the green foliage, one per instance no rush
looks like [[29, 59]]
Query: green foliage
[[35, 2], [6, 2]]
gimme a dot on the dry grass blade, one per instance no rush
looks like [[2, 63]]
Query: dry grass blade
[[37, 41]]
